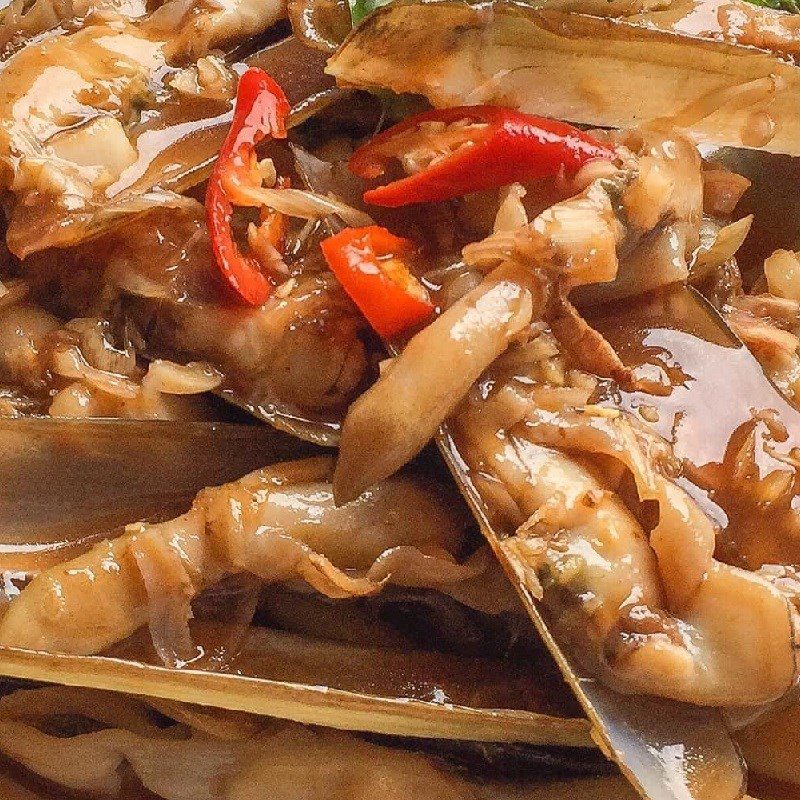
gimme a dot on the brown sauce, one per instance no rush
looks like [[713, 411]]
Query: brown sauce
[[771, 789], [427, 676], [708, 396], [177, 140]]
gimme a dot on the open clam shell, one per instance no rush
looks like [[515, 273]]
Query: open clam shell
[[403, 714], [597, 70], [692, 328], [63, 483], [638, 733]]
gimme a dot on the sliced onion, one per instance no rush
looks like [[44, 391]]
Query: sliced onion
[[724, 247], [300, 203], [492, 250], [70, 363], [169, 594], [168, 377], [420, 566], [98, 351], [511, 215]]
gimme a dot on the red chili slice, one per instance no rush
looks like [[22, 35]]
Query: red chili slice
[[496, 146], [261, 110], [369, 263]]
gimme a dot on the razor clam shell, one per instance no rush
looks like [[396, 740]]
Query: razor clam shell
[[609, 72], [506, 761], [315, 430], [299, 70], [177, 154], [667, 750], [393, 671], [314, 705], [63, 482]]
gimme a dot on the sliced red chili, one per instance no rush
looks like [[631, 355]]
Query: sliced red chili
[[261, 110], [472, 148], [370, 263]]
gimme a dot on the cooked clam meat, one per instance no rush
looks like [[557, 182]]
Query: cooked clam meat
[[278, 524], [648, 591], [558, 240]]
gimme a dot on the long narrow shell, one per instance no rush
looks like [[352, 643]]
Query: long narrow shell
[[63, 481], [152, 456], [313, 705], [586, 69], [637, 732]]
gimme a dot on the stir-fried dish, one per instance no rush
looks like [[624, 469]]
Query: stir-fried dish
[[257, 271]]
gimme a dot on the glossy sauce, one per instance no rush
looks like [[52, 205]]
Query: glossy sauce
[[178, 140], [64, 484], [428, 676], [709, 394]]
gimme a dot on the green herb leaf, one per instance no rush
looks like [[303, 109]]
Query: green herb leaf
[[792, 6], [360, 8]]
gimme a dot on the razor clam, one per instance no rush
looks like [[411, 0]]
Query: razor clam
[[64, 483], [685, 61], [171, 148], [641, 734], [681, 328], [276, 524], [401, 711], [176, 146], [355, 687]]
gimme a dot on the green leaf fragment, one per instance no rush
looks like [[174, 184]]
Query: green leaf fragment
[[360, 8], [792, 6]]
